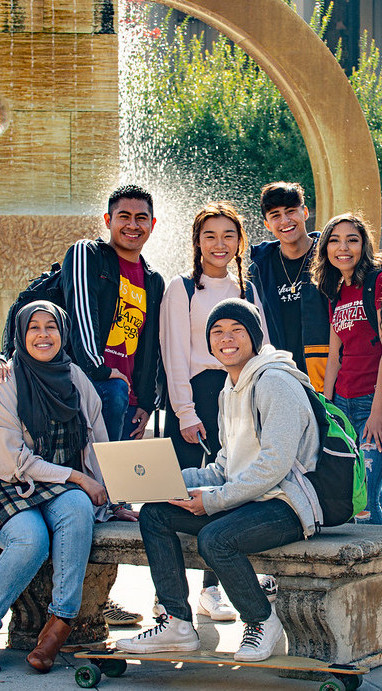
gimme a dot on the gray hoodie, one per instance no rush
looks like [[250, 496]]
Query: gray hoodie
[[259, 461]]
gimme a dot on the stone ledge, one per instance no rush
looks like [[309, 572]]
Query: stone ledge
[[350, 551], [329, 601]]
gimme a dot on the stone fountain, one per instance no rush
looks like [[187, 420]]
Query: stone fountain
[[59, 121]]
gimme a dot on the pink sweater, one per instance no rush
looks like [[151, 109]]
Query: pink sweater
[[183, 341]]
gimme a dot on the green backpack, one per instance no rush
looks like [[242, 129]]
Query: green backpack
[[340, 474]]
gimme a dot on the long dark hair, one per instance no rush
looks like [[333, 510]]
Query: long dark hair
[[326, 276], [211, 210]]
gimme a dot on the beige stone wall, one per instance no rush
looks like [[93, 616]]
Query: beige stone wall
[[59, 156], [32, 244], [59, 77]]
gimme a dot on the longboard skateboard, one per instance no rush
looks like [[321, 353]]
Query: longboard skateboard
[[113, 663]]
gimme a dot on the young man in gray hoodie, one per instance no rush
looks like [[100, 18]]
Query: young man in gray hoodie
[[252, 498]]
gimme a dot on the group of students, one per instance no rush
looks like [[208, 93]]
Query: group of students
[[238, 351]]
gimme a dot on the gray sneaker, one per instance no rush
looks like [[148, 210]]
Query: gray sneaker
[[259, 641], [158, 609], [170, 634], [211, 605]]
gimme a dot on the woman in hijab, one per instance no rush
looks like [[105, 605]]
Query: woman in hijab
[[49, 477]]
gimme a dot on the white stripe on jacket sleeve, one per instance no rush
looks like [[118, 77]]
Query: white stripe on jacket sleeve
[[81, 303]]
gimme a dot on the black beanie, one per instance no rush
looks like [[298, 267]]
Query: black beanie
[[241, 311]]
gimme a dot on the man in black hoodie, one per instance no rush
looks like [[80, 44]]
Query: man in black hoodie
[[297, 314]]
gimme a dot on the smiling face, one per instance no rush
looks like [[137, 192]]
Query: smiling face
[[288, 225], [219, 241], [42, 339], [231, 345], [344, 249], [130, 225]]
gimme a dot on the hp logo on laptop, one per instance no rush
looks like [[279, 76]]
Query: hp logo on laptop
[[139, 469]]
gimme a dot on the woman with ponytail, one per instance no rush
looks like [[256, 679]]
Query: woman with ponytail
[[194, 377]]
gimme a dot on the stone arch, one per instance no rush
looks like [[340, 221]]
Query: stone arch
[[334, 129]]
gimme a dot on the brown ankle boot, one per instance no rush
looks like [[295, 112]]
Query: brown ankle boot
[[50, 640], [45, 629]]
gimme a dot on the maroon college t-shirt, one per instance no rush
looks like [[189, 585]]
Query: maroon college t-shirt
[[360, 359], [128, 321]]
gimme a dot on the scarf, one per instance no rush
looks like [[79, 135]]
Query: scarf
[[45, 391]]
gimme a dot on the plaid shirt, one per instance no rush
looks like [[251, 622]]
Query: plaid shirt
[[11, 502]]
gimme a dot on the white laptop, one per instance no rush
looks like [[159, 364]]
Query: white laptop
[[141, 470]]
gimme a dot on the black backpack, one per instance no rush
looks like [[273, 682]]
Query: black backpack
[[48, 286]]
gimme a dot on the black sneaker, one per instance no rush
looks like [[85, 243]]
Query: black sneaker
[[268, 585]]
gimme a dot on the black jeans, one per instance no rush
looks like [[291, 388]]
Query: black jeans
[[206, 387], [224, 541]]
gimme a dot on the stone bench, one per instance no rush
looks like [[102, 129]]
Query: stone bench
[[330, 590]]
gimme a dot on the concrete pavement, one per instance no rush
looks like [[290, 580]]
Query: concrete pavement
[[134, 590]]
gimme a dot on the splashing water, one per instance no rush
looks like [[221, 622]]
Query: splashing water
[[177, 191]]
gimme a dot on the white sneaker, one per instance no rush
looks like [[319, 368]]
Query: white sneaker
[[211, 605], [170, 634], [158, 609], [260, 641], [269, 586]]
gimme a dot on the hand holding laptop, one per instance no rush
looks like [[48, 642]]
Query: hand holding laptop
[[194, 505]]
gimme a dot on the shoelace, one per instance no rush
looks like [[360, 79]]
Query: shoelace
[[216, 595], [253, 635], [268, 584], [161, 625], [112, 607]]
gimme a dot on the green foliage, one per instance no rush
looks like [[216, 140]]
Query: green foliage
[[320, 19], [218, 120], [366, 81]]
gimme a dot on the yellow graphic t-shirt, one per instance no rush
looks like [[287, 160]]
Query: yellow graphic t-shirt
[[128, 322]]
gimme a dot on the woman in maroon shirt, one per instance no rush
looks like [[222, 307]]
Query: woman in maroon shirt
[[353, 377]]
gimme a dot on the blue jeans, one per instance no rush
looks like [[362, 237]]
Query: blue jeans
[[224, 540], [116, 412], [66, 523], [358, 410]]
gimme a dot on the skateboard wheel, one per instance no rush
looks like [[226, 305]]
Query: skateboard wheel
[[88, 676], [113, 668], [333, 684], [351, 681]]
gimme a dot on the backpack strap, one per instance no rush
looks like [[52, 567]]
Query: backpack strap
[[369, 301], [249, 292], [189, 285]]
